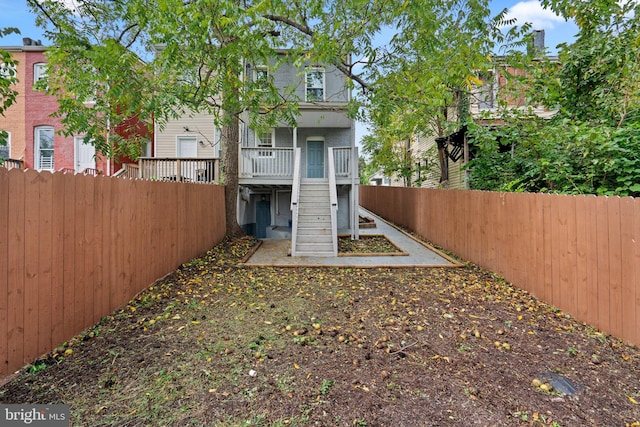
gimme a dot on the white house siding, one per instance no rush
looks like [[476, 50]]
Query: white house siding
[[200, 125]]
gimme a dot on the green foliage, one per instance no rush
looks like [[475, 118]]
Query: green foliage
[[425, 75], [8, 78], [591, 146], [562, 155]]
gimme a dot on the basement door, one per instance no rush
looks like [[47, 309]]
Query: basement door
[[315, 159]]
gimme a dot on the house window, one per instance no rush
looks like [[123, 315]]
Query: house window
[[5, 149], [315, 84], [43, 148], [261, 77], [39, 71], [8, 71], [487, 92], [266, 140]]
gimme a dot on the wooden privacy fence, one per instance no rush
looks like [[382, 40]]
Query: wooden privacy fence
[[579, 253], [73, 248]]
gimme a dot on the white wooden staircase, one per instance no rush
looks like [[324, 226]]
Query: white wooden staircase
[[315, 235]]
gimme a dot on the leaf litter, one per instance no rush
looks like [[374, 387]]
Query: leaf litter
[[219, 343]]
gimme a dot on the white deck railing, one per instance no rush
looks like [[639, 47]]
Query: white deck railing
[[11, 163], [274, 162], [182, 170]]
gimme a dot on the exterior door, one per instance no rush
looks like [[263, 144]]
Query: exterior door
[[85, 155], [315, 159], [187, 147], [263, 218]]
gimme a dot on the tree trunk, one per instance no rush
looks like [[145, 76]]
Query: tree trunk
[[230, 136]]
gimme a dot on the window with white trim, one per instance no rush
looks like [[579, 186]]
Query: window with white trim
[[266, 140], [261, 77], [39, 71], [5, 149], [43, 148], [314, 84], [8, 71]]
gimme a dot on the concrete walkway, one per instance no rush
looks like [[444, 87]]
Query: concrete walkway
[[273, 252]]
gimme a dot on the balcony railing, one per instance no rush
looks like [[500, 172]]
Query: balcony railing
[[11, 163], [342, 159], [266, 162], [181, 170], [276, 162]]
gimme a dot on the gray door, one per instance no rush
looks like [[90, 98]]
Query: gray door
[[263, 218], [315, 159]]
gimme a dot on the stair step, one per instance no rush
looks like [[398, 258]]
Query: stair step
[[314, 231]]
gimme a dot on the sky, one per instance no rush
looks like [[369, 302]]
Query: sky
[[15, 13]]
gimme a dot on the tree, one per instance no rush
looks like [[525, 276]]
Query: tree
[[194, 54], [591, 146], [424, 82], [8, 78]]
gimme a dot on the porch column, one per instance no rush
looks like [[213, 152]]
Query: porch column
[[295, 137]]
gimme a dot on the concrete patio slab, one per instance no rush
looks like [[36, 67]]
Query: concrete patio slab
[[274, 252]]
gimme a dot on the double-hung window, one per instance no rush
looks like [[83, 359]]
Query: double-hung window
[[314, 84], [5, 149], [43, 148], [39, 71], [265, 141]]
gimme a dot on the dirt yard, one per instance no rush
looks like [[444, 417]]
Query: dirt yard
[[218, 343]]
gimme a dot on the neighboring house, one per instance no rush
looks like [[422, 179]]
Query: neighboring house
[[297, 183], [185, 149], [446, 156], [35, 141]]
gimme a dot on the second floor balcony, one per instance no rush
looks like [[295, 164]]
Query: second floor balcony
[[274, 165]]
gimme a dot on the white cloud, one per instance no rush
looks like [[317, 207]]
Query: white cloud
[[532, 11]]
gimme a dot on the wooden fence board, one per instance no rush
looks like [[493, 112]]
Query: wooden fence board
[[98, 244], [586, 259], [80, 290], [635, 261], [629, 279], [45, 238], [15, 283], [89, 251], [602, 245], [615, 264], [32, 241], [57, 260], [547, 243], [69, 254], [537, 225]]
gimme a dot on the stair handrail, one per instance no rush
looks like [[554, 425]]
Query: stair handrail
[[295, 198], [333, 199]]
